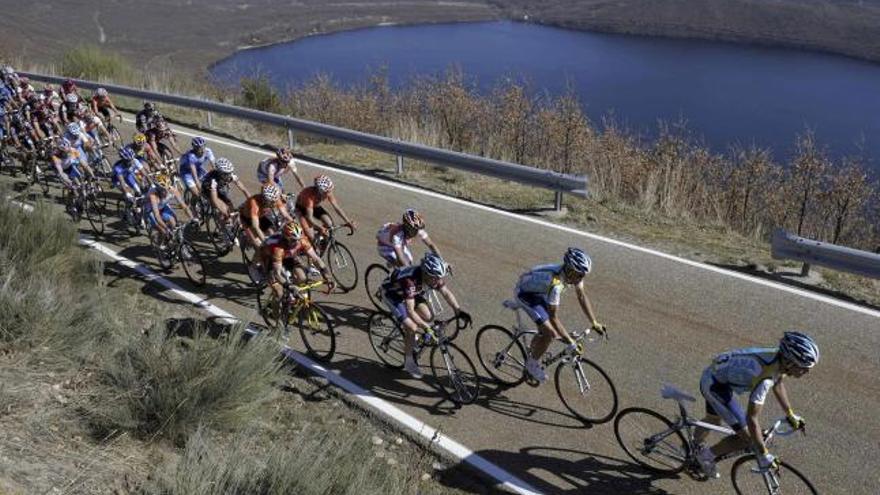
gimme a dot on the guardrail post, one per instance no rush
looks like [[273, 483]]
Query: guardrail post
[[291, 139], [805, 270], [210, 120], [399, 164], [557, 201]]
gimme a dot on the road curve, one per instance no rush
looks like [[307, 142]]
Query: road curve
[[667, 320]]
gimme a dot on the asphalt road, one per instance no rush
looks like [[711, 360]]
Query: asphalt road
[[667, 319]]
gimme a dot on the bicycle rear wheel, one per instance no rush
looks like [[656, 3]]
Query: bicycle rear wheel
[[316, 330], [586, 390], [501, 355], [343, 266], [386, 338], [39, 176], [192, 263], [747, 479], [455, 373], [265, 299], [651, 440], [247, 255], [373, 278]]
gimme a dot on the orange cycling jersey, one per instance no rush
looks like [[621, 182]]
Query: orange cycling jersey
[[101, 102], [309, 198], [253, 206], [276, 248]]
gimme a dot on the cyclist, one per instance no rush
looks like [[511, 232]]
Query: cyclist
[[158, 205], [143, 152], [394, 239], [127, 174], [403, 292], [279, 257], [143, 120], [754, 371], [101, 104], [67, 161], [539, 290], [254, 213], [158, 135], [69, 105], [308, 208], [93, 126], [215, 186], [192, 165], [271, 169]]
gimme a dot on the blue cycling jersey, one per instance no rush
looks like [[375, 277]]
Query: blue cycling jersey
[[190, 159]]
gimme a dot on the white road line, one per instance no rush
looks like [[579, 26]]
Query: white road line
[[433, 435], [767, 283]]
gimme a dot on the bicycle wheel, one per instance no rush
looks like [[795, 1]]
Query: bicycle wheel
[[747, 479], [316, 330], [125, 214], [501, 355], [218, 234], [386, 338], [373, 278], [456, 374], [586, 390], [192, 263], [265, 298], [156, 239], [343, 267], [651, 440], [106, 168], [247, 255], [93, 215], [39, 176]]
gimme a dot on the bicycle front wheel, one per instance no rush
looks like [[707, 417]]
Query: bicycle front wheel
[[343, 267], [94, 216], [455, 373], [373, 278], [586, 390], [651, 440], [219, 233], [386, 337], [748, 479], [501, 355], [317, 332], [192, 263]]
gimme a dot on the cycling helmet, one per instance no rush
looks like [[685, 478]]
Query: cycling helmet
[[578, 260], [68, 85], [101, 93], [64, 144], [800, 349], [412, 220], [292, 230], [7, 70], [24, 80], [198, 142], [160, 189], [71, 98], [271, 193], [126, 154], [434, 266], [224, 165], [323, 183], [139, 138], [73, 128], [149, 106]]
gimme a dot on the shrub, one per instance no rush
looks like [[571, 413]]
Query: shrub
[[257, 92], [91, 62]]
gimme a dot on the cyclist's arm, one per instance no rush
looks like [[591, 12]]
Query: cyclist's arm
[[557, 323], [450, 298], [160, 222], [181, 202], [433, 247], [754, 427], [319, 263], [64, 178], [173, 141], [782, 395], [336, 206], [94, 106], [413, 314], [402, 259], [215, 199], [240, 186], [255, 225], [586, 305], [278, 265], [113, 107], [302, 185]]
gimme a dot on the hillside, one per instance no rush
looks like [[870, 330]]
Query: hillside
[[191, 34]]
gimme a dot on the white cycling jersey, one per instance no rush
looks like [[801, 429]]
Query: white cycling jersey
[[545, 281], [754, 370]]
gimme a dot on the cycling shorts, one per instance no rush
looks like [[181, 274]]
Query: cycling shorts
[[721, 401], [397, 306], [105, 111], [534, 305], [265, 223], [166, 212], [317, 212]]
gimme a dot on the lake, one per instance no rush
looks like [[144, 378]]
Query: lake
[[727, 93]]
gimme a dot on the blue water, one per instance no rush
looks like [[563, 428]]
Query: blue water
[[727, 93]]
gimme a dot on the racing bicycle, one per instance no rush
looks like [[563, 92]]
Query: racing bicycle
[[297, 308]]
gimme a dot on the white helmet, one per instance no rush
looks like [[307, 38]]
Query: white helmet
[[434, 265], [224, 165], [800, 349], [271, 193], [73, 128], [578, 260], [323, 183]]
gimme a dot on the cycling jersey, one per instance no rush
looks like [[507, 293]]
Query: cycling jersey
[[163, 205], [276, 248], [392, 235], [310, 197], [122, 170], [190, 159], [544, 281], [266, 166], [254, 206], [753, 370], [405, 283]]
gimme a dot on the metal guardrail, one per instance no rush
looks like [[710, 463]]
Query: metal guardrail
[[785, 245], [560, 183]]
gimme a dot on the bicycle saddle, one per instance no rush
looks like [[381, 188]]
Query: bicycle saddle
[[670, 392], [512, 304]]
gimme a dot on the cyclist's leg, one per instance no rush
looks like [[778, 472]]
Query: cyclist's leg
[[721, 403], [322, 215], [424, 309], [535, 307], [169, 217]]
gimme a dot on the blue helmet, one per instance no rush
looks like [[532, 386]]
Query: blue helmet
[[434, 265], [578, 260], [800, 349], [127, 154], [198, 142]]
